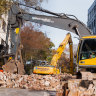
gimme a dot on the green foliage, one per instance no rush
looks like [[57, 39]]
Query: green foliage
[[64, 63], [49, 58]]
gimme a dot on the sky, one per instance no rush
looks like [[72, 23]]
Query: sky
[[79, 8]]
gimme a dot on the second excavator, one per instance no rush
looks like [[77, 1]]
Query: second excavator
[[52, 68]]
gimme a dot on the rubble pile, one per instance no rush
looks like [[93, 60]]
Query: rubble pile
[[34, 81], [64, 84], [82, 87], [14, 66]]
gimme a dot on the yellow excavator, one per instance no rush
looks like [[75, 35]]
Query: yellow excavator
[[52, 68]]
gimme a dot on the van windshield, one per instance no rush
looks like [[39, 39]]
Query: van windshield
[[88, 49]]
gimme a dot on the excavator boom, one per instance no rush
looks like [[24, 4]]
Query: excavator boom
[[60, 50], [64, 22]]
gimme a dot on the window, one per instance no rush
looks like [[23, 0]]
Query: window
[[87, 49]]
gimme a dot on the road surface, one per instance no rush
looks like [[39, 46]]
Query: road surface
[[24, 92]]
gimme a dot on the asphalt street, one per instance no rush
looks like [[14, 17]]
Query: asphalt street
[[24, 92]]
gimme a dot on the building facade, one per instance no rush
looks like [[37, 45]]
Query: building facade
[[7, 35], [92, 17]]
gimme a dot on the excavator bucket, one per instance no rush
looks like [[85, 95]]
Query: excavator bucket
[[14, 67]]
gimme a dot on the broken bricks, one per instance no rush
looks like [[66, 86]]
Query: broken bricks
[[34, 81]]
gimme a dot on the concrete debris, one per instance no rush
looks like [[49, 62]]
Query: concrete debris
[[85, 83], [87, 76], [64, 84], [86, 86], [14, 67], [10, 67], [34, 81], [81, 88]]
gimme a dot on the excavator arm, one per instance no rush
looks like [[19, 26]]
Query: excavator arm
[[65, 23], [61, 21], [60, 50]]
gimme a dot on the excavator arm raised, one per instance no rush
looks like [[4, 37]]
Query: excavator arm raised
[[60, 50], [61, 21]]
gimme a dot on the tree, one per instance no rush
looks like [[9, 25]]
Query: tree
[[36, 44], [64, 63], [6, 4]]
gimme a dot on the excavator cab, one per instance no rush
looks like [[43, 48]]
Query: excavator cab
[[86, 56]]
